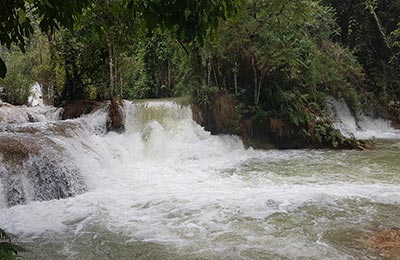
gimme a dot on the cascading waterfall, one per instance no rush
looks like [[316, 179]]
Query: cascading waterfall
[[167, 189], [365, 128], [34, 164], [36, 96]]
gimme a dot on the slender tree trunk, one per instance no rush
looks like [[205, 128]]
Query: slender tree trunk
[[215, 74], [235, 79], [209, 70], [262, 75], [111, 69], [169, 75], [50, 86], [121, 81], [253, 63]]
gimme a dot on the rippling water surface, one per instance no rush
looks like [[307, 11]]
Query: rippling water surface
[[167, 189]]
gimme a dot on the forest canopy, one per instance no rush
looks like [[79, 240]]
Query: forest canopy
[[278, 59]]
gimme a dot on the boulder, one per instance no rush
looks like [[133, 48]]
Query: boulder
[[115, 120], [81, 107], [386, 243]]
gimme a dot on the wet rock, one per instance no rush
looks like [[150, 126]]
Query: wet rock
[[115, 120], [51, 177], [33, 167], [14, 150], [23, 114], [397, 145], [81, 107], [15, 194], [62, 128], [386, 243], [220, 117], [197, 115], [5, 104]]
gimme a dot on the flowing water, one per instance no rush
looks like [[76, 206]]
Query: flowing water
[[167, 189], [36, 97], [364, 128]]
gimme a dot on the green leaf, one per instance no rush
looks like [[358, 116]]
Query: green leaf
[[3, 72], [21, 16], [3, 234], [8, 247], [49, 4]]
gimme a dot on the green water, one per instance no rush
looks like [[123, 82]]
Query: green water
[[308, 204]]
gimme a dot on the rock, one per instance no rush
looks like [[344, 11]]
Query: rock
[[197, 114], [386, 243], [115, 121], [5, 104], [81, 107], [34, 167], [397, 145]]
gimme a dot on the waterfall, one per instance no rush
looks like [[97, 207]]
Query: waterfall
[[44, 158], [36, 96], [365, 128], [167, 189], [35, 162]]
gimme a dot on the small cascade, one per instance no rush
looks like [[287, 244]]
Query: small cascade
[[19, 115], [364, 128], [166, 183], [166, 130], [167, 113], [36, 97], [36, 153], [35, 168]]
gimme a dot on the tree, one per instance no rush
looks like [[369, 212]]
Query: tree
[[19, 17], [190, 20], [366, 27]]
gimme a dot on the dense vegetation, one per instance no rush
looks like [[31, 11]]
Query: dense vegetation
[[8, 250], [267, 66]]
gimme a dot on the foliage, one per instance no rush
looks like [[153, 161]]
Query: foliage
[[17, 19], [278, 59], [8, 250], [368, 28], [16, 87], [24, 70]]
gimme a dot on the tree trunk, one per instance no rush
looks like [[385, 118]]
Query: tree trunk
[[235, 79], [209, 70], [215, 74], [111, 69], [169, 75], [253, 63], [260, 81]]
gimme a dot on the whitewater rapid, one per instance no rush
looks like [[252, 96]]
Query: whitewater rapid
[[167, 189], [364, 128]]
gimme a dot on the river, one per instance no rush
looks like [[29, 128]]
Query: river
[[167, 189]]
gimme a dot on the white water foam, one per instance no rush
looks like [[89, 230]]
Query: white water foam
[[363, 129], [36, 97], [168, 181], [20, 115]]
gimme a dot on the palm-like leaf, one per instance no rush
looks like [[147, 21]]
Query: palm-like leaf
[[4, 236], [8, 250]]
